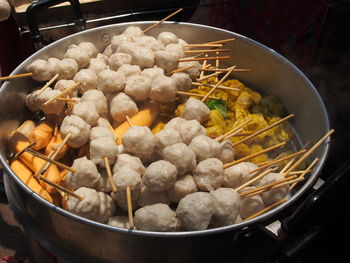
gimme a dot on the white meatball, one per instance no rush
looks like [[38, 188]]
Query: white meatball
[[87, 78], [143, 57], [183, 43], [129, 70], [39, 68], [103, 122], [226, 153], [238, 174], [151, 73], [190, 129], [118, 40], [209, 174], [139, 140], [157, 217], [182, 80], [51, 65], [98, 132], [175, 123], [86, 174], [133, 31], [5, 10], [204, 147], [118, 59], [98, 98], [163, 89], [274, 195], [227, 204], [78, 128], [165, 138], [119, 221], [138, 87], [181, 156], [183, 186], [103, 184], [177, 49], [250, 205], [79, 54], [195, 110], [55, 106], [159, 176], [66, 68], [107, 208], [121, 106], [108, 51], [149, 42], [132, 162], [196, 210], [193, 71], [127, 47], [89, 48], [87, 111], [123, 178], [150, 198], [89, 207], [110, 81], [167, 38], [97, 65], [64, 84], [166, 60], [103, 147]]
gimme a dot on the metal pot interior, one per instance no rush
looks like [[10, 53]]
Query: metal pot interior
[[269, 73]]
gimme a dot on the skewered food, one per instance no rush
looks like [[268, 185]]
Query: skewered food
[[196, 210], [121, 93], [157, 217], [226, 205], [159, 176]]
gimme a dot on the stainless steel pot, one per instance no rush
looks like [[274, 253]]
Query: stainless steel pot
[[76, 239]]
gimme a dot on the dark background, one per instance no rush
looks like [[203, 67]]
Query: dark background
[[314, 35]]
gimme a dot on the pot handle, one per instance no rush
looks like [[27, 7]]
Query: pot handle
[[316, 209], [45, 4]]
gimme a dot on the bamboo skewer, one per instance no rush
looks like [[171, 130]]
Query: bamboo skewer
[[308, 153], [200, 59], [61, 188], [221, 41], [223, 69], [254, 179], [128, 198], [278, 161], [180, 69], [218, 84], [233, 130], [44, 157], [202, 77], [264, 130], [306, 171], [62, 93], [48, 84], [268, 187], [16, 76], [207, 50], [195, 94], [109, 173], [211, 86], [254, 155], [24, 149], [204, 65], [203, 45], [161, 21], [230, 135], [52, 156], [264, 210]]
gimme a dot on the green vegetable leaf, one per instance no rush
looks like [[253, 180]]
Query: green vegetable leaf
[[219, 105]]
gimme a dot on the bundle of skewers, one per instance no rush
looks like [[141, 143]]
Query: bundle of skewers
[[101, 108]]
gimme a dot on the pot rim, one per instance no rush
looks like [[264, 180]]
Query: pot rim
[[259, 219]]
